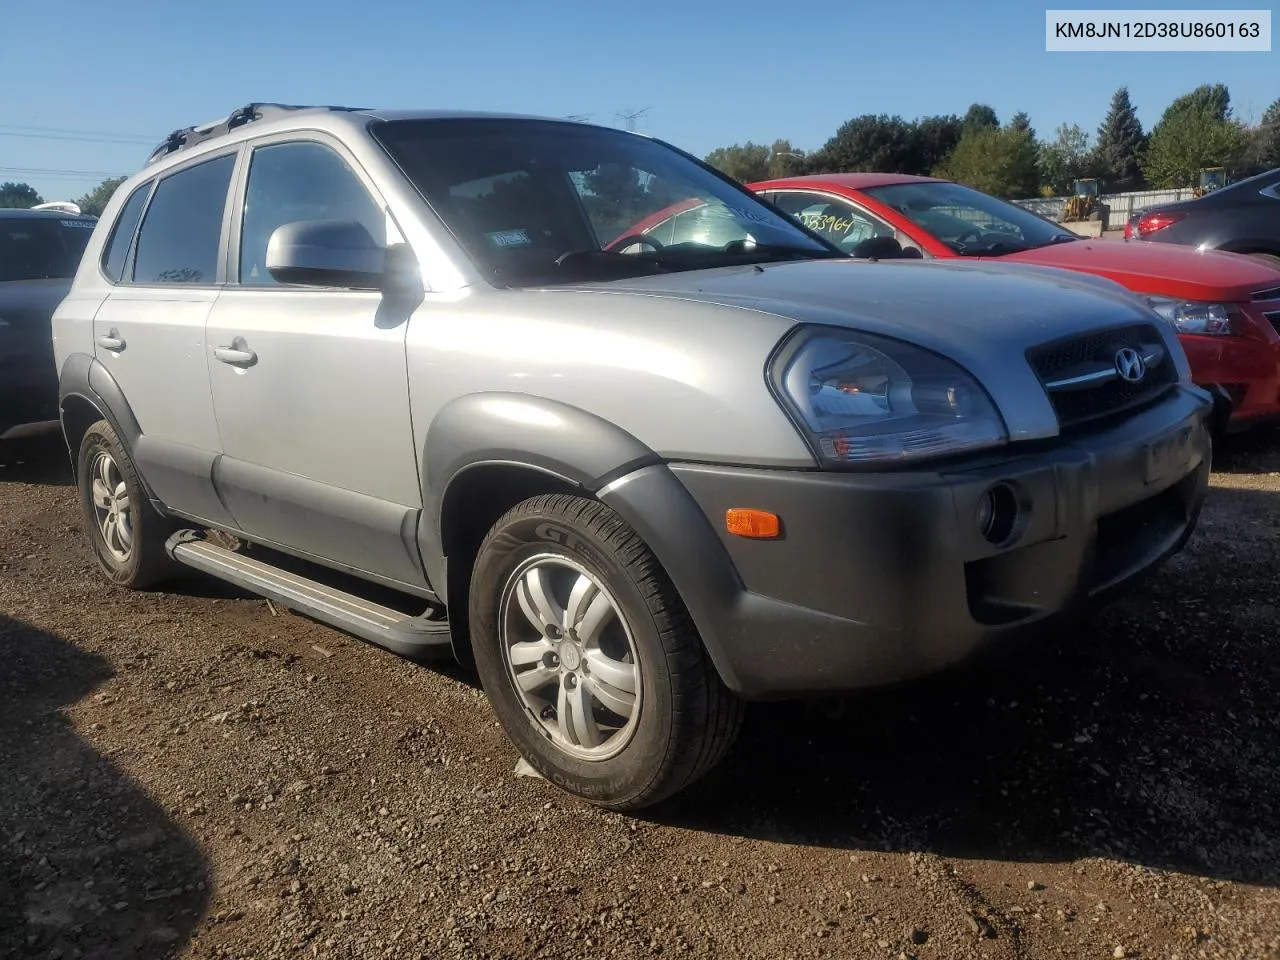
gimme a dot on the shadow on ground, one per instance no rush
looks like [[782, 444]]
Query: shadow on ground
[[90, 866], [1150, 735], [41, 460], [1257, 451]]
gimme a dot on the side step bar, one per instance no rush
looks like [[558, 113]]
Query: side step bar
[[408, 636]]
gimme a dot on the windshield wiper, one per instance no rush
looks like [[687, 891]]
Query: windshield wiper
[[1062, 238]]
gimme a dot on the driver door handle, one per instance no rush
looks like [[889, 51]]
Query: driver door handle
[[236, 356]]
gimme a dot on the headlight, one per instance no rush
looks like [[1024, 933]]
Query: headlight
[[1191, 317], [864, 399]]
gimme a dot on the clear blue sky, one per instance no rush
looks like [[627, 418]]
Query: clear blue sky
[[712, 73]]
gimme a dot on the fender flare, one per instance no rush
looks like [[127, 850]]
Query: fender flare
[[591, 454], [518, 429], [86, 379]]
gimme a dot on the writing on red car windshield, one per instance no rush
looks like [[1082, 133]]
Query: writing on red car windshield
[[828, 223]]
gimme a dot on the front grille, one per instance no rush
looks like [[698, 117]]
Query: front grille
[[1081, 376], [1274, 317], [1271, 293]]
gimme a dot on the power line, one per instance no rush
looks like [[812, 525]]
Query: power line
[[22, 129], [74, 139], [58, 174]]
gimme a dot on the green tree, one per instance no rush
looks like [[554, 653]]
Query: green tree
[[980, 117], [1022, 121], [935, 138], [744, 162], [20, 195], [1195, 131], [1002, 162], [95, 201], [1211, 98], [1120, 144], [1064, 159], [871, 142], [785, 160], [1267, 138]]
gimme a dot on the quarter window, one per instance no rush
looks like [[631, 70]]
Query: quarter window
[[117, 250], [291, 182]]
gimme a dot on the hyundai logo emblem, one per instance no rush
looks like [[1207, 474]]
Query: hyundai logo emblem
[[1130, 365]]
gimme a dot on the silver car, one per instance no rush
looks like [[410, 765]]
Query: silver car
[[421, 376]]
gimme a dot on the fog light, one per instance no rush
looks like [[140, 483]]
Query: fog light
[[998, 513]]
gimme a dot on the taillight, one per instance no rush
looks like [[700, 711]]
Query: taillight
[[1152, 222]]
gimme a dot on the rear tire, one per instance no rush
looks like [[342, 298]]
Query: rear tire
[[592, 664], [124, 529]]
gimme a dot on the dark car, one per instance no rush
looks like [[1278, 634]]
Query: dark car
[[1241, 218], [39, 253]]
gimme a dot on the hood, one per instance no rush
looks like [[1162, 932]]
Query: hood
[[982, 315], [1159, 268], [946, 305]]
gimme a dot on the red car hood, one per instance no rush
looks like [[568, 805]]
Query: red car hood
[[1159, 268]]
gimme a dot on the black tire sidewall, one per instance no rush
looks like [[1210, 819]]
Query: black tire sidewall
[[97, 438], [630, 773]]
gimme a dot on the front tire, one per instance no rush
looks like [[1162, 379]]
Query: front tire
[[591, 662], [125, 531]]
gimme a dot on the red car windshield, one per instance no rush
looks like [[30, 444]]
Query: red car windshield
[[41, 248], [968, 221]]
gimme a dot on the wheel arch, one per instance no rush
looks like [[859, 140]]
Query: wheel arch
[[485, 452], [88, 393]]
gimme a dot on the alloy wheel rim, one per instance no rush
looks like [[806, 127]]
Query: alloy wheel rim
[[570, 657], [112, 509]]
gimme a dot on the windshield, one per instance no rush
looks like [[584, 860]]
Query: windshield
[[538, 201], [41, 248], [971, 223]]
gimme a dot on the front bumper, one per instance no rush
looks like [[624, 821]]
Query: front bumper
[[882, 577], [1243, 372]]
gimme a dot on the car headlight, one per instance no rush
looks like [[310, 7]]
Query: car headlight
[[1187, 316], [866, 399]]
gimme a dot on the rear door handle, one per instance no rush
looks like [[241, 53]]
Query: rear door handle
[[236, 356], [111, 341]]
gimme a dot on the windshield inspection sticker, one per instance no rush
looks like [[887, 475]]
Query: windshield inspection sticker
[[509, 238]]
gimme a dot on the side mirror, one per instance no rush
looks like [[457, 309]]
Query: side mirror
[[326, 253], [878, 248]]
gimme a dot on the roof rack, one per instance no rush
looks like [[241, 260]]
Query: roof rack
[[190, 136]]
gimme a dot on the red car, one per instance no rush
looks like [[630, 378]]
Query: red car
[[1226, 306]]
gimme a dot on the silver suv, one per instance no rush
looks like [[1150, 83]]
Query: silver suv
[[423, 377]]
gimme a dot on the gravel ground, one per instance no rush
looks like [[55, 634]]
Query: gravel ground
[[189, 773]]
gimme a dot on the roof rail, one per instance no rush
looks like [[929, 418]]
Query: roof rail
[[190, 136]]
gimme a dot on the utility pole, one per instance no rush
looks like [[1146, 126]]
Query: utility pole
[[629, 117]]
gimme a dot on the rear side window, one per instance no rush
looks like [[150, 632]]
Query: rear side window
[[183, 226], [117, 249]]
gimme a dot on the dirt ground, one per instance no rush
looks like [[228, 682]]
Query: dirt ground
[[189, 774]]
